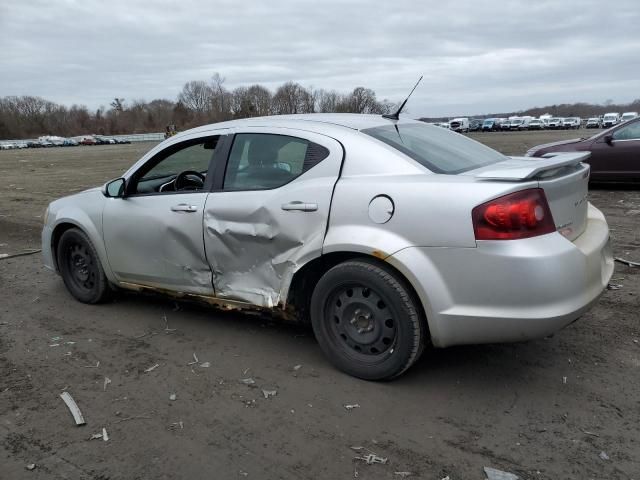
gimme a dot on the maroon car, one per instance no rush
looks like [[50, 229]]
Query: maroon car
[[615, 153]]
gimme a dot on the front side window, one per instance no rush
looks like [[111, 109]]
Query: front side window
[[629, 132], [260, 161], [439, 150], [179, 168]]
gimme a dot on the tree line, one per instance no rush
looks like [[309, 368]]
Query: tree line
[[198, 103]]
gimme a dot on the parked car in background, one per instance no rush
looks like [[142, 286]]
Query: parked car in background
[[70, 142], [6, 146], [610, 119], [87, 141], [556, 123], [321, 217], [491, 125], [459, 124], [506, 125], [570, 123], [594, 122], [626, 116], [32, 144], [536, 124], [516, 123], [475, 124], [615, 153]]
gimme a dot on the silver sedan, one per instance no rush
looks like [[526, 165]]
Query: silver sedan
[[386, 235]]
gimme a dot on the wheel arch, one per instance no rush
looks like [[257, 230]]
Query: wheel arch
[[305, 278]]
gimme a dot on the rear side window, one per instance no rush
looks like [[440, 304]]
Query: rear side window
[[261, 161], [440, 150]]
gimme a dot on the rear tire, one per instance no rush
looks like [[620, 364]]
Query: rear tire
[[80, 268], [367, 320]]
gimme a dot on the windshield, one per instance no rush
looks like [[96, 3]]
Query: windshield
[[554, 120], [609, 117], [439, 150], [488, 122]]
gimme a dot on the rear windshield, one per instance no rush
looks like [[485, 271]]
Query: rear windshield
[[437, 149]]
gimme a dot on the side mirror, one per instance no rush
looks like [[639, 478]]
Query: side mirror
[[114, 188], [608, 139]]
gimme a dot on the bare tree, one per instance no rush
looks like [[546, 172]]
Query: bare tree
[[292, 98], [197, 96]]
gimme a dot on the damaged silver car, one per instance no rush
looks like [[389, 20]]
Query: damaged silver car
[[387, 235]]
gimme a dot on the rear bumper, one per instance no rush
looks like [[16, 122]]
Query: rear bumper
[[508, 291]]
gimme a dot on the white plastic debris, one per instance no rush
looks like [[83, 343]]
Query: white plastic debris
[[269, 393], [96, 436], [564, 379], [627, 262], [73, 408], [248, 381], [151, 368], [31, 466], [107, 381], [205, 364], [614, 286], [297, 367], [493, 474], [408, 474], [372, 458], [603, 456], [195, 359], [351, 406], [172, 396], [105, 435]]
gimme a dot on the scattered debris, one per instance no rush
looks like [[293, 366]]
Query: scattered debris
[[96, 436], [269, 393], [614, 286], [627, 262], [73, 408], [446, 478], [152, 368], [107, 381], [245, 371], [408, 474], [586, 432], [564, 379], [603, 456], [167, 330], [92, 366], [352, 406], [369, 458], [54, 345], [172, 396], [177, 425], [19, 254], [31, 466], [195, 359], [100, 435], [205, 365], [244, 474], [297, 367], [493, 474], [249, 381], [134, 417], [105, 435], [372, 458]]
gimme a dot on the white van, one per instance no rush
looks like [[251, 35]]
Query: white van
[[459, 124], [626, 116], [610, 119]]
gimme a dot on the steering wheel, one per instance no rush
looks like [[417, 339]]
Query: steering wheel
[[186, 181]]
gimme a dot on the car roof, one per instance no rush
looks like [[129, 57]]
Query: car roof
[[318, 122]]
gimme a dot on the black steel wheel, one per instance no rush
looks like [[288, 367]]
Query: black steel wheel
[[367, 321], [80, 267]]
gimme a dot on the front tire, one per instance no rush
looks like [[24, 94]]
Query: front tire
[[80, 267], [367, 320]]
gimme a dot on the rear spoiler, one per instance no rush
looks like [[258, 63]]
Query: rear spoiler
[[523, 168]]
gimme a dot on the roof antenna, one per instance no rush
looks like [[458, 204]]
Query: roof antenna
[[396, 115]]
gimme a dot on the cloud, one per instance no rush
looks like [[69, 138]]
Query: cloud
[[476, 56]]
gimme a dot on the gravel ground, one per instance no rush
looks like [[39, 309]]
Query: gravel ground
[[566, 407]]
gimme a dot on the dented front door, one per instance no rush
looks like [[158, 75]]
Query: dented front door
[[257, 236], [156, 241]]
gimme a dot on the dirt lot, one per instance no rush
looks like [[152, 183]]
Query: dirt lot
[[544, 409]]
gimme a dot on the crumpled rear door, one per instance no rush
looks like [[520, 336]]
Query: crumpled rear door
[[256, 239]]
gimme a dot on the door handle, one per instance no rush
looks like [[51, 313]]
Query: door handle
[[183, 207], [300, 206]]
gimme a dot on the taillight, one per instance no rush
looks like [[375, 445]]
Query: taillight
[[521, 214]]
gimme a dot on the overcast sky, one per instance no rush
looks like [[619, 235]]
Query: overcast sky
[[476, 56]]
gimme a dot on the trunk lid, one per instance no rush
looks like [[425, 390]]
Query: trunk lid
[[562, 176]]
